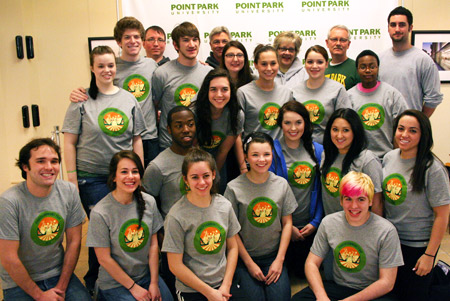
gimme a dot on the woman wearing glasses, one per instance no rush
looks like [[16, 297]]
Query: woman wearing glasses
[[291, 71]]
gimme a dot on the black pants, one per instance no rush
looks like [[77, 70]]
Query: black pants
[[410, 286]]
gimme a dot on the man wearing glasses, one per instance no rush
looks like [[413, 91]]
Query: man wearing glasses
[[341, 68], [218, 38], [155, 44]]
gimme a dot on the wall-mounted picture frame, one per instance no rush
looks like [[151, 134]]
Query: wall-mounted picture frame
[[436, 43], [104, 41]]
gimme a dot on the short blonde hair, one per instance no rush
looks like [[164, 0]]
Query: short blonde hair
[[356, 183], [290, 37]]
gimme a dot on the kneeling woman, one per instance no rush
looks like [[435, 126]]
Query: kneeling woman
[[200, 234], [264, 204], [122, 230], [365, 246]]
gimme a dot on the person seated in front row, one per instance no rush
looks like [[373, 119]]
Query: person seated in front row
[[366, 249]]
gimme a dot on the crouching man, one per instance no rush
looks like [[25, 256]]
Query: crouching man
[[365, 248], [34, 215]]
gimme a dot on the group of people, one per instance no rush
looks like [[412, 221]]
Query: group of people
[[232, 188]]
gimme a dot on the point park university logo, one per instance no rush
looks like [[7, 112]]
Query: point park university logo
[[209, 238], [395, 189], [133, 238], [138, 86], [349, 256], [47, 228], [262, 212]]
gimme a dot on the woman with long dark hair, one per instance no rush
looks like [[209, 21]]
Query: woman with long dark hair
[[297, 159], [417, 198], [122, 230], [219, 118], [235, 60], [345, 143]]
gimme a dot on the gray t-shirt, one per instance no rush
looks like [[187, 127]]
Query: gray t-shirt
[[114, 225], [366, 163], [377, 110], [105, 126], [261, 108], [39, 225], [200, 234], [136, 77], [358, 252], [163, 178], [221, 128], [321, 103], [259, 208], [295, 75], [412, 212], [301, 176], [414, 74], [173, 85]]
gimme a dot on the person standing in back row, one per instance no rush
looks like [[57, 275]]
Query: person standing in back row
[[409, 69]]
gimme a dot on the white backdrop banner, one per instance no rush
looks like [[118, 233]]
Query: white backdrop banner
[[254, 22]]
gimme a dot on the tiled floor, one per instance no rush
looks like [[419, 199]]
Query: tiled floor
[[296, 284]]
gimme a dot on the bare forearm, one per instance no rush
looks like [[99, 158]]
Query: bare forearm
[[243, 254], [315, 281], [377, 289], [20, 276], [154, 260], [232, 257], [377, 205], [437, 233], [428, 111], [138, 148], [239, 152], [185, 275], [114, 269], [285, 237], [70, 157], [70, 261]]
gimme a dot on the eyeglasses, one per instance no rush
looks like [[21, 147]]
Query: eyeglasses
[[153, 40], [233, 55], [217, 42], [335, 40], [284, 49]]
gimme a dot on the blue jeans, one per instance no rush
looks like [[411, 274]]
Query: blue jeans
[[92, 190], [123, 294], [336, 292], [75, 290], [257, 290]]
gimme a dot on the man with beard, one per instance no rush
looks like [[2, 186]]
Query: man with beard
[[409, 69]]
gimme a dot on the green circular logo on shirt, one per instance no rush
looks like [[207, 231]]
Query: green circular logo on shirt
[[113, 122], [372, 116], [262, 212], [133, 238], [301, 174], [209, 238], [331, 181], [47, 228], [349, 256], [137, 85], [184, 94], [217, 139], [268, 115], [395, 189], [316, 110]]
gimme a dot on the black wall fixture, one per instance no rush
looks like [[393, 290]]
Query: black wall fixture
[[19, 47]]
